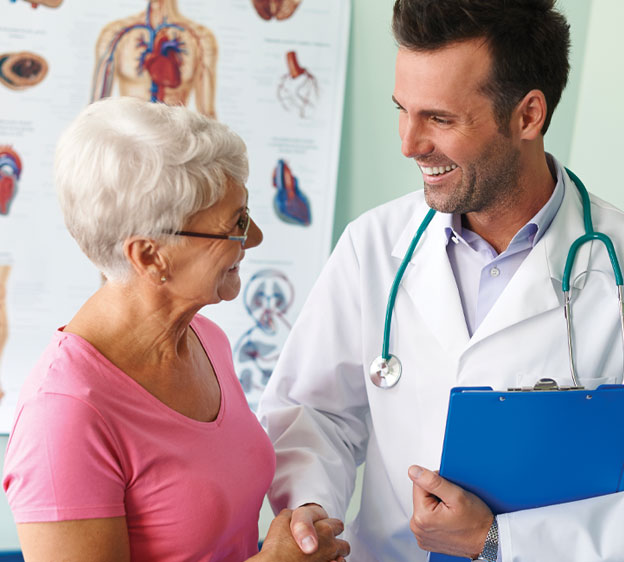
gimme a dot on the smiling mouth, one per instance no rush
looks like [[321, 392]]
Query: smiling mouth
[[437, 170]]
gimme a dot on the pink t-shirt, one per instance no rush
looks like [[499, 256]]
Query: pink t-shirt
[[89, 442]]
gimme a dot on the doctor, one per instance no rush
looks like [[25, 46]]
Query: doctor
[[480, 302]]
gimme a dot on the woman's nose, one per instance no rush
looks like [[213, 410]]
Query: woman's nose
[[254, 235]]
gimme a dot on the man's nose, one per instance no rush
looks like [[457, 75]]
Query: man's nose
[[415, 140]]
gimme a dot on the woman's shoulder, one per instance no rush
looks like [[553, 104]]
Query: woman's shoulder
[[66, 366], [73, 376]]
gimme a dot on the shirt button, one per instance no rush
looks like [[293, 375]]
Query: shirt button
[[494, 272]]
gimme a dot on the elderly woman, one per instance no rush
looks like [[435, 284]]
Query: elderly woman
[[133, 439]]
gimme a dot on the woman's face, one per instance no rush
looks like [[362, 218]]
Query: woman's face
[[207, 270]]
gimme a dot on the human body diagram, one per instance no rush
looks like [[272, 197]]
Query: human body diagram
[[158, 55], [268, 296], [298, 89], [278, 9], [5, 269], [10, 171], [48, 3], [290, 203], [22, 70]]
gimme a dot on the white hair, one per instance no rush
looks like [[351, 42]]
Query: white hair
[[129, 167]]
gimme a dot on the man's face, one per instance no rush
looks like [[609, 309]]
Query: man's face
[[447, 125]]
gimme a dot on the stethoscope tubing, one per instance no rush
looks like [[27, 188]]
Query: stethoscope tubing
[[397, 281], [590, 234], [386, 369]]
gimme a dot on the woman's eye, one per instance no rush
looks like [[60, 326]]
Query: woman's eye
[[242, 222]]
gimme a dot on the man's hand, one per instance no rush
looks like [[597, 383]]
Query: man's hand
[[280, 546], [302, 526], [447, 518]]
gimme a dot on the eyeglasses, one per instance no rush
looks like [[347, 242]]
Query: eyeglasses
[[243, 223]]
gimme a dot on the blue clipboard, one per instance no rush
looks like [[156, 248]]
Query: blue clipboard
[[530, 448]]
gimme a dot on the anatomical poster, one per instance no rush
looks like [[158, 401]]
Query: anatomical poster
[[273, 70]]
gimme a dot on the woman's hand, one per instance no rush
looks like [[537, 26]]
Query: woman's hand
[[280, 546]]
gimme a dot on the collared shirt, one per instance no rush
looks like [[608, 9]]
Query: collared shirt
[[480, 272]]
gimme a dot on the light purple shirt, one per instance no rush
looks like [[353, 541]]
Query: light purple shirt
[[480, 273]]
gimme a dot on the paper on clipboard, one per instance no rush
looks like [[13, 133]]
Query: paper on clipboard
[[520, 450]]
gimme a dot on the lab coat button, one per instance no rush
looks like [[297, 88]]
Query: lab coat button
[[494, 272]]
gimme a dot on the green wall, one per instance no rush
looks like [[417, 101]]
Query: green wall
[[597, 140]]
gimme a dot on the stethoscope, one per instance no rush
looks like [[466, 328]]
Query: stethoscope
[[385, 370]]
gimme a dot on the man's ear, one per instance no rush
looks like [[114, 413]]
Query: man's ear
[[530, 114], [146, 258]]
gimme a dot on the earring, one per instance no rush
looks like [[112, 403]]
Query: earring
[[163, 279]]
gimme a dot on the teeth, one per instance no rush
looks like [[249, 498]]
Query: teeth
[[437, 170]]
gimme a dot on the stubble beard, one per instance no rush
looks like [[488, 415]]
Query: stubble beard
[[487, 185]]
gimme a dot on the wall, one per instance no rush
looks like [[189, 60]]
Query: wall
[[8, 532], [372, 169], [597, 140]]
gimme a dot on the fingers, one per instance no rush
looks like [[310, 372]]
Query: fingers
[[327, 530], [430, 488], [281, 546], [339, 549], [423, 499], [446, 518], [335, 526], [344, 548], [302, 526], [284, 514]]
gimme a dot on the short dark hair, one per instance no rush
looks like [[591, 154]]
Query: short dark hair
[[529, 41]]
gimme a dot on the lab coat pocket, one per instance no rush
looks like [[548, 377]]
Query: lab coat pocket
[[594, 382], [590, 383]]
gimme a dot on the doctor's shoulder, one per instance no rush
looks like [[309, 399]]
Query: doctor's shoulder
[[389, 220], [609, 219]]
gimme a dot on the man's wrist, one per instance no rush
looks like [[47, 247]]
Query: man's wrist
[[490, 548]]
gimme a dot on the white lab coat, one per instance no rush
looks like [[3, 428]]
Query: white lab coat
[[325, 416]]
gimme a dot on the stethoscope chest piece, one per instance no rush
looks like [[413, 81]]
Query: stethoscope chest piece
[[385, 373]]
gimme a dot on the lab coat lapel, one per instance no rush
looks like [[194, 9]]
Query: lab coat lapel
[[430, 283], [536, 286]]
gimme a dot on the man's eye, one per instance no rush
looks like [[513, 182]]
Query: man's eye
[[440, 120]]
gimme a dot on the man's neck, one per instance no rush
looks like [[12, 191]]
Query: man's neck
[[500, 224]]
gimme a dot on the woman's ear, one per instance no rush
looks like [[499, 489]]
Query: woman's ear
[[530, 114], [146, 258]]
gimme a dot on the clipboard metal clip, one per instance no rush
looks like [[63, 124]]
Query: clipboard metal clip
[[545, 384]]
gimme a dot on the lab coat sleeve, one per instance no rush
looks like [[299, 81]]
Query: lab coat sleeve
[[315, 407], [589, 530]]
